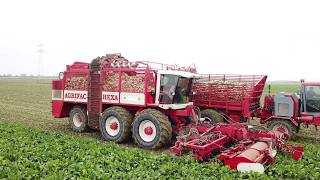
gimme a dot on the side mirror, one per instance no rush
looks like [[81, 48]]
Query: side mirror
[[61, 75]]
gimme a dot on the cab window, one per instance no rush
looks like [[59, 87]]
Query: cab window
[[168, 85], [312, 98], [182, 91]]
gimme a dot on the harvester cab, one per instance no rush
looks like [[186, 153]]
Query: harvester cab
[[173, 89]]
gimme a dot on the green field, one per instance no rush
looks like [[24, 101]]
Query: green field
[[274, 88], [35, 145]]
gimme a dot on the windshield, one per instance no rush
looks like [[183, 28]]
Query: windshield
[[174, 89], [182, 91], [168, 85], [312, 98]]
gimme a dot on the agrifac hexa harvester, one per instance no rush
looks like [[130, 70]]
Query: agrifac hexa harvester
[[150, 102], [120, 98]]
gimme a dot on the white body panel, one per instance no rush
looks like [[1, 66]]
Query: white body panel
[[132, 98], [250, 167], [175, 106], [110, 97], [158, 88], [75, 96], [107, 97], [180, 73]]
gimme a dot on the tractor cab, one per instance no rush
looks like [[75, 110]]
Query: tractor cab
[[174, 88], [310, 97]]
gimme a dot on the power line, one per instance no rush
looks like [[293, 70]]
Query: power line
[[40, 60]]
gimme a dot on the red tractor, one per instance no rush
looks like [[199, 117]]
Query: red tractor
[[286, 112], [150, 102]]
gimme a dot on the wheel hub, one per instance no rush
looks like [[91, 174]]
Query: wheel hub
[[77, 120], [114, 125], [281, 128], [148, 130], [207, 119]]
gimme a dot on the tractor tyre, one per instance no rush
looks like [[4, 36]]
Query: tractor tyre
[[115, 124], [212, 116], [151, 129], [78, 119], [283, 126]]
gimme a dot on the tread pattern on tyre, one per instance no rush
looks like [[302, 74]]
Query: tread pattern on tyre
[[85, 126], [165, 124], [212, 114], [126, 118]]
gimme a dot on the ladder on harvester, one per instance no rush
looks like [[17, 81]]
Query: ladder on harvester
[[94, 94]]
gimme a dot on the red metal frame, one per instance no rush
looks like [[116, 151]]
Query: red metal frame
[[120, 71], [311, 83], [222, 98], [253, 145]]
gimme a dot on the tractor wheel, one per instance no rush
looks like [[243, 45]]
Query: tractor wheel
[[151, 129], [78, 119], [283, 126], [115, 124], [212, 115]]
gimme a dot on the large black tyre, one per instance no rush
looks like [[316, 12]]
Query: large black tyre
[[212, 115], [115, 124], [78, 119], [151, 129], [283, 126]]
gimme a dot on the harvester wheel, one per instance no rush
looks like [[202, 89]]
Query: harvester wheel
[[151, 129], [78, 119], [212, 115], [115, 124], [283, 126]]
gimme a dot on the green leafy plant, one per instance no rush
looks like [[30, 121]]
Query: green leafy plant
[[32, 153]]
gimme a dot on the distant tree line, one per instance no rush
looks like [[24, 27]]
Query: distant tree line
[[22, 75], [16, 75]]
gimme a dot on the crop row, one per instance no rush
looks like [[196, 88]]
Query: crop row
[[33, 153]]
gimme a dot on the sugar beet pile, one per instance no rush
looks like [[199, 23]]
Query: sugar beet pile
[[219, 89]]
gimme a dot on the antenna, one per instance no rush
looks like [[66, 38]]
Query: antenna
[[40, 63]]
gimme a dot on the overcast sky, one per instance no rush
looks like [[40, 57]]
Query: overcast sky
[[277, 38]]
